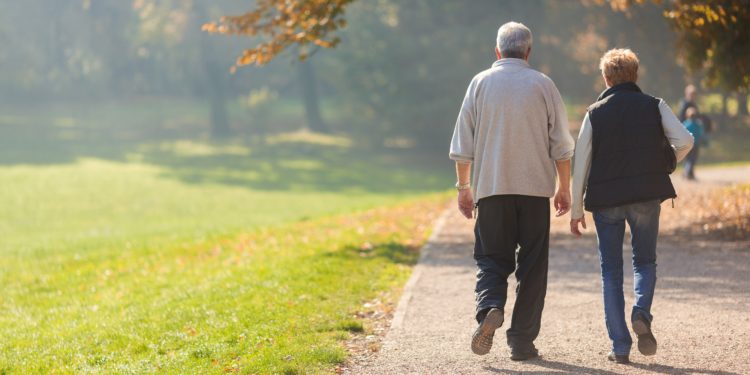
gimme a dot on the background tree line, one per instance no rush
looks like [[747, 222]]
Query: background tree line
[[396, 75]]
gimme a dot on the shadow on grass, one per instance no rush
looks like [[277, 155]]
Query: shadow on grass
[[308, 167], [393, 252], [175, 140]]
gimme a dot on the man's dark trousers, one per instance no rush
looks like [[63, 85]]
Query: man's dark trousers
[[512, 234]]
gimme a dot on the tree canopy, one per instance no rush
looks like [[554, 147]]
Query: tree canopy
[[713, 35], [284, 24], [395, 77]]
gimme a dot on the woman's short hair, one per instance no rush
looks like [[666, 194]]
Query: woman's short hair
[[619, 65]]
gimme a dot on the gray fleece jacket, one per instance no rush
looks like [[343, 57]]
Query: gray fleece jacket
[[513, 127]]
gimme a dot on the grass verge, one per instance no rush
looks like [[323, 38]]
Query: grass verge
[[277, 300], [140, 249]]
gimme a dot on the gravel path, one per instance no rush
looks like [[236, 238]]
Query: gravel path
[[701, 307]]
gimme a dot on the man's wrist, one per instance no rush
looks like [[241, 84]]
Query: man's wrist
[[464, 186]]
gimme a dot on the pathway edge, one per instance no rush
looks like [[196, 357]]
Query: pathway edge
[[408, 291]]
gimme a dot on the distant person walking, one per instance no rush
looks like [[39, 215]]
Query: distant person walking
[[690, 100], [622, 166], [694, 125], [513, 128]]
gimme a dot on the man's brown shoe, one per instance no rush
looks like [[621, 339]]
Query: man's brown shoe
[[481, 342], [523, 355]]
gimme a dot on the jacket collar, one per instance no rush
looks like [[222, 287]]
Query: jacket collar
[[625, 86], [510, 61]]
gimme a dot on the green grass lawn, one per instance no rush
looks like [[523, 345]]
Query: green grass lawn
[[726, 146], [176, 255], [276, 300]]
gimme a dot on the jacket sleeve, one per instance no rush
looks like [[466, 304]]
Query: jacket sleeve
[[678, 136], [581, 167]]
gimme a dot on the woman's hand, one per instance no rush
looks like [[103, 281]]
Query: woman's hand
[[574, 225]]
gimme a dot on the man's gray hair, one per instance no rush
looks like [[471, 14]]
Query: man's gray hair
[[514, 40]]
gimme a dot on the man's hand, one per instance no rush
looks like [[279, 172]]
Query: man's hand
[[574, 225], [466, 203], [562, 202]]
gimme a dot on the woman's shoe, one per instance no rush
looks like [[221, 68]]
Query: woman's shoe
[[646, 339], [617, 358]]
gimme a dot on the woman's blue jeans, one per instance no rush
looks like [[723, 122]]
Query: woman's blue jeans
[[643, 219]]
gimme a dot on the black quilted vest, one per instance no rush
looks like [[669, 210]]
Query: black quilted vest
[[627, 157]]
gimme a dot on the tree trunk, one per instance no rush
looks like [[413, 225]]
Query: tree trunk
[[742, 104], [215, 78], [217, 98], [219, 117], [308, 86]]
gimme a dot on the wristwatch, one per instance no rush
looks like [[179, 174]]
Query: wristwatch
[[463, 187]]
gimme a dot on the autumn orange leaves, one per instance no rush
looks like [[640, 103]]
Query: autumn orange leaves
[[285, 24]]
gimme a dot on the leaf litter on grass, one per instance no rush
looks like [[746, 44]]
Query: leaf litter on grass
[[718, 213]]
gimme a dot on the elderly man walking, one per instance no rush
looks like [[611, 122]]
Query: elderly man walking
[[513, 128], [622, 162]]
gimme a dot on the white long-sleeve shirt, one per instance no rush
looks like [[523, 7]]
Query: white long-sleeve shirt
[[680, 139], [513, 127]]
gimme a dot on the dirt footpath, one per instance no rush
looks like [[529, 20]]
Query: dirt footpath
[[701, 308]]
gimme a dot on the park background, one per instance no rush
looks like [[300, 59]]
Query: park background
[[161, 211]]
